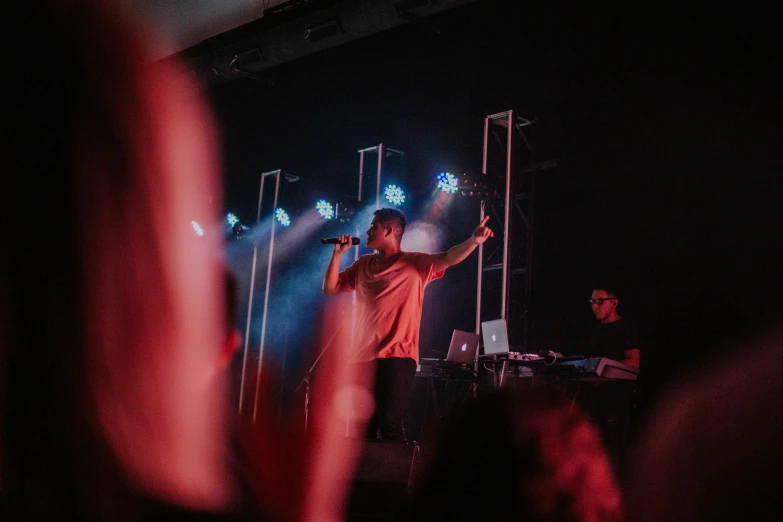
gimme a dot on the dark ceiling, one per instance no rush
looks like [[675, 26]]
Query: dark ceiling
[[289, 30]]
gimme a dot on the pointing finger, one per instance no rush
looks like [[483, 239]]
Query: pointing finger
[[484, 221]]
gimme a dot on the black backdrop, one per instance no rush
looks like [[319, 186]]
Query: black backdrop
[[665, 123]]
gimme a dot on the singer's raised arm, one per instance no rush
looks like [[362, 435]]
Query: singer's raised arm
[[458, 253], [331, 284]]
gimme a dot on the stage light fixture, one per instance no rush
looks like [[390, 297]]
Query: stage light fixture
[[282, 217], [474, 185], [325, 209], [239, 230], [394, 195], [404, 7], [327, 29], [447, 182], [247, 61], [231, 219], [345, 210], [197, 228]]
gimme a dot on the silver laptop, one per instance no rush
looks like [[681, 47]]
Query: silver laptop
[[495, 339], [463, 347], [494, 336]]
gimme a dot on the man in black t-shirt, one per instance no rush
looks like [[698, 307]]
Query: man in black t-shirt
[[611, 403], [615, 338]]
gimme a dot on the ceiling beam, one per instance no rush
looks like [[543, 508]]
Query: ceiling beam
[[297, 28]]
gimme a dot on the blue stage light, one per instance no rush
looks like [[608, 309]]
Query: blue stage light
[[231, 219], [394, 195], [447, 182], [325, 209], [197, 228], [282, 217]]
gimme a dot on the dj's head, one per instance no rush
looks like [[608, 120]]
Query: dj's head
[[604, 301]]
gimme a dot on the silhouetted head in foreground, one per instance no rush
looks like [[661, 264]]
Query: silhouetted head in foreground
[[112, 304], [524, 455]]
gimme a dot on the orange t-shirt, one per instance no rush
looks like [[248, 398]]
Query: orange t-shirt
[[389, 295]]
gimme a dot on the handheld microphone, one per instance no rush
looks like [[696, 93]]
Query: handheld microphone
[[335, 241]]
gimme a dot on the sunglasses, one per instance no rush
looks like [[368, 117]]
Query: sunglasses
[[600, 300]]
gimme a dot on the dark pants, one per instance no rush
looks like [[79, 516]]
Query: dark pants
[[610, 405], [393, 380]]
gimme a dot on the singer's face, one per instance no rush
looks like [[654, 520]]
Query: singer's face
[[375, 234]]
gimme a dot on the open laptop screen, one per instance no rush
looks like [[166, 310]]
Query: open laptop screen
[[463, 347], [494, 336]]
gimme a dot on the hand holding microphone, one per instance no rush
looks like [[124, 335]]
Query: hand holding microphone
[[336, 241], [342, 243]]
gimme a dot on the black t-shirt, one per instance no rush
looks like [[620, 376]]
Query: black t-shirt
[[613, 339]]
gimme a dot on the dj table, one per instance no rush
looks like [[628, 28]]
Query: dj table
[[553, 365]]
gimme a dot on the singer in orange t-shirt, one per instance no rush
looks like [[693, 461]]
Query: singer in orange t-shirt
[[389, 286]]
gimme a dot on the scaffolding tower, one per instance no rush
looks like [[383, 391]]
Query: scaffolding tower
[[507, 185], [278, 176]]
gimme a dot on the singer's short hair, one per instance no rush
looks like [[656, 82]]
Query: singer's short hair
[[392, 217]]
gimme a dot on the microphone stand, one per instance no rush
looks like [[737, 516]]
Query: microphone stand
[[308, 376]]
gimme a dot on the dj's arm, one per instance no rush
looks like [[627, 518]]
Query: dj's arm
[[633, 357]]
